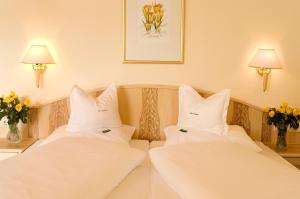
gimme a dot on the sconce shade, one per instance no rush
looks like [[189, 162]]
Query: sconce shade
[[265, 58], [38, 54]]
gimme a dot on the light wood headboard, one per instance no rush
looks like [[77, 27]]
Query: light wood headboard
[[149, 108]]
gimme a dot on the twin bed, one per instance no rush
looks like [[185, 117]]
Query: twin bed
[[197, 160]]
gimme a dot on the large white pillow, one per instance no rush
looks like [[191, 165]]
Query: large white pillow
[[93, 113], [236, 134], [198, 113], [121, 134]]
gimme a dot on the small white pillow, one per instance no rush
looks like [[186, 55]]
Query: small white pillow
[[198, 113], [236, 134], [120, 134], [93, 113]]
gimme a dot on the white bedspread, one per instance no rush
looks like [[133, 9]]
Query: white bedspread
[[80, 167], [224, 170]]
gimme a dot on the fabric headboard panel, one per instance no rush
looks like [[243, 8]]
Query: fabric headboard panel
[[150, 108]]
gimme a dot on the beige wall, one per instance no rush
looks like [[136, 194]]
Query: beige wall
[[85, 38]]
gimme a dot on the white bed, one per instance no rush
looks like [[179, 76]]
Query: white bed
[[152, 184], [214, 181], [144, 182]]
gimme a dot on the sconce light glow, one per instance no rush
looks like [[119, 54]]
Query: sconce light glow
[[39, 56], [265, 60]]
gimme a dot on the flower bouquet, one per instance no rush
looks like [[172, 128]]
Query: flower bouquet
[[14, 110], [283, 118]]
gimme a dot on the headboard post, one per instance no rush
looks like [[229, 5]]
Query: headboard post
[[149, 122]]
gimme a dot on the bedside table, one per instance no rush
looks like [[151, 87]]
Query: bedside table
[[8, 150], [291, 154]]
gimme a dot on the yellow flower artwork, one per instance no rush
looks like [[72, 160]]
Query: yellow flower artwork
[[153, 18]]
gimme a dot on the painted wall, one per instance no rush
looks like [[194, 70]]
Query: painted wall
[[85, 37]]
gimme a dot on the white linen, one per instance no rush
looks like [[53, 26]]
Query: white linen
[[235, 134], [238, 135], [119, 134], [198, 113], [77, 167], [222, 169], [93, 113], [145, 179], [265, 151]]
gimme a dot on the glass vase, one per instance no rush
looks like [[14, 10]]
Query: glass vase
[[281, 139], [14, 136]]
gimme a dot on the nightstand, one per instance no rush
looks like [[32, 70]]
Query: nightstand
[[8, 150], [291, 154]]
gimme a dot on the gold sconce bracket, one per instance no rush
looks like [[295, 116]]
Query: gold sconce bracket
[[39, 73], [264, 72]]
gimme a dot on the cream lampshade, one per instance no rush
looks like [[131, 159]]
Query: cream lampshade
[[38, 56], [265, 60]]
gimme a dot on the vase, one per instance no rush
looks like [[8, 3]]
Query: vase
[[281, 139], [14, 136]]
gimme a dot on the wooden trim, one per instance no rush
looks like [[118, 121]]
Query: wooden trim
[[159, 86], [149, 122], [241, 116]]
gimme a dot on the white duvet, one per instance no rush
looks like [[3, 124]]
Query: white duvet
[[220, 169], [79, 167]]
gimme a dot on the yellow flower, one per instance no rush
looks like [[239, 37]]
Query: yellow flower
[[26, 102], [157, 8], [157, 24], [146, 10], [7, 100], [147, 26], [272, 114], [12, 94], [284, 104], [159, 16], [281, 110], [18, 107], [267, 109], [295, 112], [289, 110], [151, 17]]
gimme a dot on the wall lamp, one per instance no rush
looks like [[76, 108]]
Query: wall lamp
[[264, 61], [39, 56]]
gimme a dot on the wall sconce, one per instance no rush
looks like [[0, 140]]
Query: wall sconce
[[39, 56], [265, 60]]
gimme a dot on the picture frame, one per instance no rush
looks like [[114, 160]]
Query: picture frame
[[153, 31]]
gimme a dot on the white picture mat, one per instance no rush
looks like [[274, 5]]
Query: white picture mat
[[167, 47]]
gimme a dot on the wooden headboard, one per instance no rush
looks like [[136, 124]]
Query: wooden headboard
[[150, 108]]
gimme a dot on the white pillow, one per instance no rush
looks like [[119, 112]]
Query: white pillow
[[236, 134], [93, 113], [120, 134], [198, 113]]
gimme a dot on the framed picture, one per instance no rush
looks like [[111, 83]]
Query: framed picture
[[153, 31]]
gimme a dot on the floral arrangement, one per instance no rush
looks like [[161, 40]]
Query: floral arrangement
[[153, 15], [14, 109], [283, 117]]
